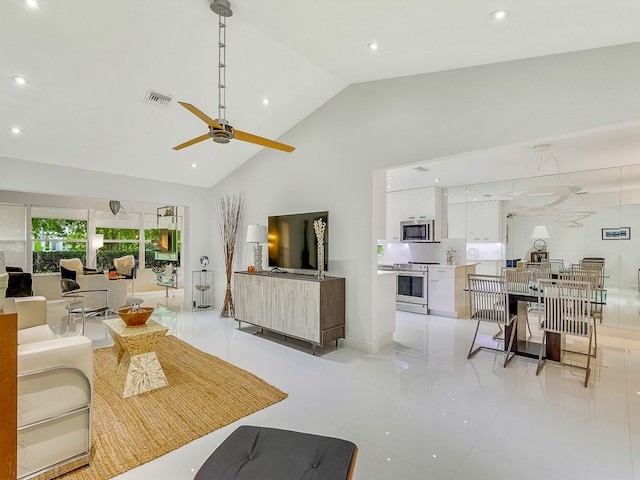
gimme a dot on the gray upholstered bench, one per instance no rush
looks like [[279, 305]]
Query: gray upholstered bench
[[259, 453]]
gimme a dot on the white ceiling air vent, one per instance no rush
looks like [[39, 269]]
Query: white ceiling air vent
[[156, 98], [420, 168]]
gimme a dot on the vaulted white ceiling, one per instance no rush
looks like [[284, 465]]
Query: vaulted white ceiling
[[91, 64]]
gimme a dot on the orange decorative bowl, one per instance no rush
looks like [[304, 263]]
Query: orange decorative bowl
[[135, 318]]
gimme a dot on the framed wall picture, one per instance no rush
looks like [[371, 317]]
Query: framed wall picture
[[619, 233], [538, 256]]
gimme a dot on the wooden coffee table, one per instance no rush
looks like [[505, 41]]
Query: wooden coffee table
[[136, 368]]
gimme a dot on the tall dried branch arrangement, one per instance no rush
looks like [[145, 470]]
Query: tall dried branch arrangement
[[229, 209]]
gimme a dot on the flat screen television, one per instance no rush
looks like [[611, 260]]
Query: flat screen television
[[293, 243]]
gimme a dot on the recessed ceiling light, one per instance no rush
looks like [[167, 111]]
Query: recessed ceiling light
[[194, 165], [265, 101], [15, 130], [19, 80], [33, 4], [372, 46], [500, 14]]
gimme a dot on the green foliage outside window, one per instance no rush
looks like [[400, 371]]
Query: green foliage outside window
[[58, 229], [54, 239], [132, 234], [118, 242]]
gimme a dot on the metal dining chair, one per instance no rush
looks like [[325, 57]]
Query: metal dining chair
[[489, 302], [595, 278], [537, 271], [567, 311], [555, 265], [520, 281], [75, 299]]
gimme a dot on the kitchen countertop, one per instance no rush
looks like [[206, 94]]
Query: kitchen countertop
[[386, 272], [386, 268]]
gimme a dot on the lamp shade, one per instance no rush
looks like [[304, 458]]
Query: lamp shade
[[98, 241], [540, 231], [256, 234]]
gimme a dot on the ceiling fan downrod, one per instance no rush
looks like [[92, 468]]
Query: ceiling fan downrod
[[223, 9], [220, 130]]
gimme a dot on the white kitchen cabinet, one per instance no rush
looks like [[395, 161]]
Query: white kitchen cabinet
[[441, 287], [397, 207], [457, 220], [484, 222], [447, 297], [415, 204], [425, 203]]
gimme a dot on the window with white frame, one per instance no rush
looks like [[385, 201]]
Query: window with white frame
[[13, 226], [57, 233]]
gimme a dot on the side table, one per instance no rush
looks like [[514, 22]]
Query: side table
[[136, 368], [202, 296]]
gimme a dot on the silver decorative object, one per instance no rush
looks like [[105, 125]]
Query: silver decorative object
[[450, 256], [319, 226]]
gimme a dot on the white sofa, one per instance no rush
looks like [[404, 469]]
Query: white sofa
[[117, 290], [55, 386]]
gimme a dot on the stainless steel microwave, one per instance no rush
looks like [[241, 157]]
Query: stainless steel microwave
[[418, 231]]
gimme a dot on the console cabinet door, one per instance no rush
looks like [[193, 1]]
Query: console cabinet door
[[254, 300], [296, 309]]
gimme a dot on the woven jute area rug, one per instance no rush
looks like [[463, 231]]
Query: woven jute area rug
[[204, 394]]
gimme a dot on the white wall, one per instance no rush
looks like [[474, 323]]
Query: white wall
[[38, 178], [394, 122], [371, 126]]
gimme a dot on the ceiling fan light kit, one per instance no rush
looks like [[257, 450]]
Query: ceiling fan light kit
[[219, 129]]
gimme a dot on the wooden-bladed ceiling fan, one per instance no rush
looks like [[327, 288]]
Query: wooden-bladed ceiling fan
[[219, 129], [221, 132]]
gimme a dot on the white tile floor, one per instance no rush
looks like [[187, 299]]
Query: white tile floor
[[420, 409]]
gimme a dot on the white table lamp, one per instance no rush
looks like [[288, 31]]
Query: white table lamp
[[97, 243], [257, 234], [539, 233]]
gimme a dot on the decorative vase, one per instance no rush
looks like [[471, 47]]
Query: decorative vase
[[319, 227], [320, 261], [449, 259]]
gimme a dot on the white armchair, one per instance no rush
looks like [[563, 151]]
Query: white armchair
[[55, 385]]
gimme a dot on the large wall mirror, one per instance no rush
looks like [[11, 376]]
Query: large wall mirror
[[593, 213]]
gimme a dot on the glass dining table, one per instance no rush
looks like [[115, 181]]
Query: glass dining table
[[525, 345]]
